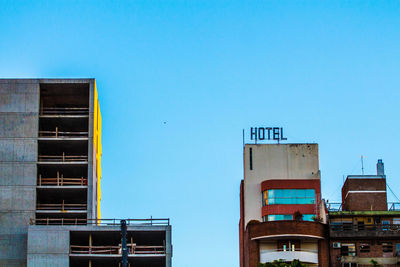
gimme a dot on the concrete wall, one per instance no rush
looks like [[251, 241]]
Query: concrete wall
[[48, 246], [273, 161], [19, 107]]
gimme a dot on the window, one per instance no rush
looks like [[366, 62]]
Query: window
[[280, 217], [288, 196], [308, 217], [398, 249], [348, 249], [365, 247], [287, 217], [385, 225], [387, 247]]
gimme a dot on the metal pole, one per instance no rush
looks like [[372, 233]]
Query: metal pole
[[123, 242]]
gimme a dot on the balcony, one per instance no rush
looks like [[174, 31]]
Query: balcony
[[306, 256], [288, 229], [346, 230]]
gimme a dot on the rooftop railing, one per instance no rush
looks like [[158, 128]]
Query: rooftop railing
[[336, 206], [105, 222]]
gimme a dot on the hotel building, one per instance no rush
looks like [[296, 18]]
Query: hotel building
[[281, 211]]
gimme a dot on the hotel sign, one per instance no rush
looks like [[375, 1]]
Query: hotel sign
[[267, 133]]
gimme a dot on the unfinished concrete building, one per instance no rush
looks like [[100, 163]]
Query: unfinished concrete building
[[50, 170]]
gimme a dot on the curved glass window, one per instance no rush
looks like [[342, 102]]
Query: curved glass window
[[286, 217], [288, 196]]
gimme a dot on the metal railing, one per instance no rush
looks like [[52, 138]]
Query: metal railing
[[350, 227], [108, 222], [62, 158], [394, 206], [61, 181], [335, 206], [62, 206], [132, 249], [291, 249], [62, 134], [64, 111]]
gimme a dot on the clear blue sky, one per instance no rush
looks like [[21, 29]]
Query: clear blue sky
[[327, 71]]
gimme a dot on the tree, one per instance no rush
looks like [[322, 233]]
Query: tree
[[282, 263], [375, 263]]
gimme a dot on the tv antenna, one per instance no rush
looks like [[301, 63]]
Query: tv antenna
[[362, 164]]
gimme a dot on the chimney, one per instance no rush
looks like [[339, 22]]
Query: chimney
[[380, 169]]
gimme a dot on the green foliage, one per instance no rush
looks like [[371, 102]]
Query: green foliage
[[282, 263], [375, 263]]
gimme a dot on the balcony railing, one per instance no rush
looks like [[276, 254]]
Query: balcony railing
[[365, 230], [62, 206], [62, 158], [59, 111], [117, 250], [108, 222], [307, 256], [62, 134], [61, 181]]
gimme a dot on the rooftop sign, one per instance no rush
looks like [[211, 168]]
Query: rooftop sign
[[267, 133]]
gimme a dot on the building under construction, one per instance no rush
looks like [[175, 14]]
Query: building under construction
[[50, 173]]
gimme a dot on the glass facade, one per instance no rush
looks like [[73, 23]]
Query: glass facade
[[288, 196], [286, 217]]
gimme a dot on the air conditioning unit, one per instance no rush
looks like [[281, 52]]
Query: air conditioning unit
[[337, 245]]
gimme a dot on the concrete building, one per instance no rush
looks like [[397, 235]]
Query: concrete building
[[50, 171], [365, 227], [281, 211]]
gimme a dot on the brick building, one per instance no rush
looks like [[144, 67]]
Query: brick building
[[365, 227]]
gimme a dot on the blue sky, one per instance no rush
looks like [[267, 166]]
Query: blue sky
[[327, 71]]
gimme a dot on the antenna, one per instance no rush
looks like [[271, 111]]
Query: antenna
[[362, 164], [243, 137]]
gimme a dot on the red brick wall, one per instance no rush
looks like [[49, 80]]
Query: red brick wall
[[364, 201], [251, 253]]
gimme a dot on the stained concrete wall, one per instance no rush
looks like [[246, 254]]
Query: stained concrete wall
[[48, 246], [19, 107], [273, 161]]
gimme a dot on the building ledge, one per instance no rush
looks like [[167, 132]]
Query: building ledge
[[287, 229]]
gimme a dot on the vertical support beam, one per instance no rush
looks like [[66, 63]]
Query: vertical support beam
[[56, 132], [168, 247], [123, 242], [40, 180], [58, 178], [90, 246]]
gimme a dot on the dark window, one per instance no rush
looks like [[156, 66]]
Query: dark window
[[348, 249], [387, 247], [251, 158], [365, 247]]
